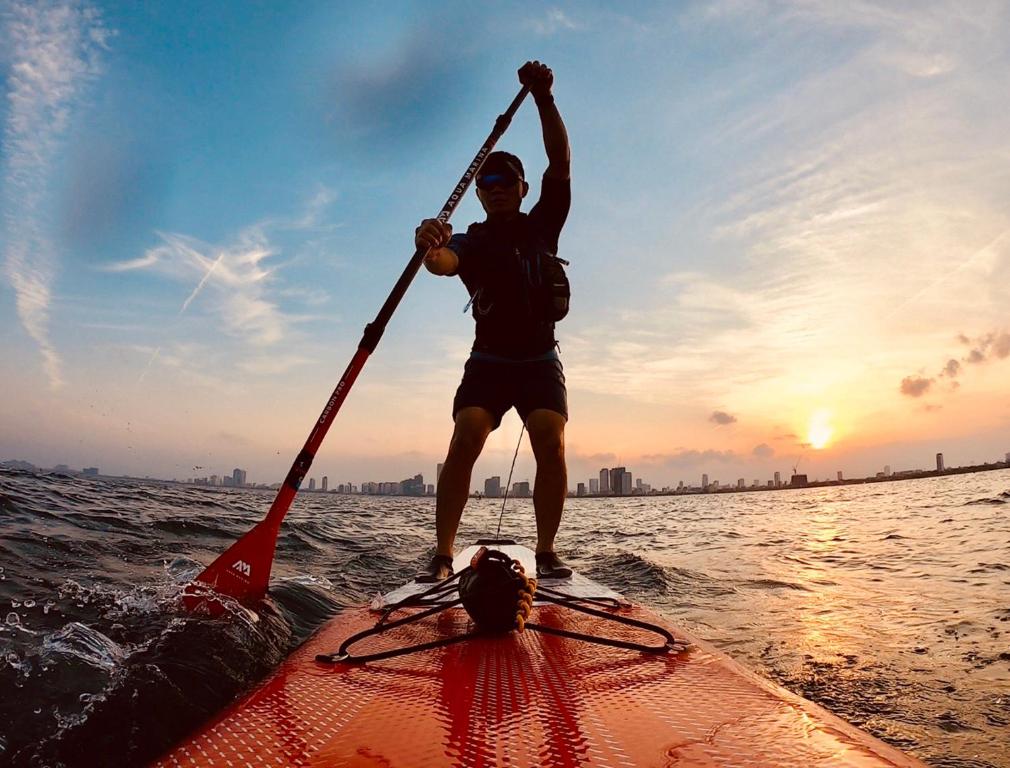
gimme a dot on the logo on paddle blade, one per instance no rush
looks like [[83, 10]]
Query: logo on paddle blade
[[242, 567]]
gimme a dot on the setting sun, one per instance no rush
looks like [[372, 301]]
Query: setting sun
[[820, 430]]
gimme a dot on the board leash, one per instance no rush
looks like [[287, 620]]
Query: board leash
[[508, 483]]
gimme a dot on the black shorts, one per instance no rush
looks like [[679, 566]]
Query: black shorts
[[526, 385]]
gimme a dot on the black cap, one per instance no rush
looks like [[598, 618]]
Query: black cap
[[500, 161]]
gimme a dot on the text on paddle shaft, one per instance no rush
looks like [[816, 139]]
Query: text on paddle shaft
[[333, 400], [460, 190]]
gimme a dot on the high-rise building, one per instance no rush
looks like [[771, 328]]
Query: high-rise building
[[839, 474], [238, 477], [887, 470], [431, 490], [1008, 457], [312, 483], [704, 482], [740, 483], [413, 486], [492, 487], [680, 485], [626, 484], [939, 461], [326, 483], [778, 479], [580, 490], [521, 490], [605, 480], [616, 481], [594, 486]]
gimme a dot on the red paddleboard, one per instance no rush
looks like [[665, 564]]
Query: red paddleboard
[[523, 699]]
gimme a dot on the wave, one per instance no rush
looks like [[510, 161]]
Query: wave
[[1001, 498], [772, 584], [639, 577]]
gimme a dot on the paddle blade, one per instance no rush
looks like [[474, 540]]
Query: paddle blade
[[241, 573]]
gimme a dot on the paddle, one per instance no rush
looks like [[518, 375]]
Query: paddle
[[243, 571]]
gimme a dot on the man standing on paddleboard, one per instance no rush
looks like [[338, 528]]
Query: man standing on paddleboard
[[517, 292]]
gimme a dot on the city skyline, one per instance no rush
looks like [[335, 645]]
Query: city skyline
[[779, 256], [596, 487]]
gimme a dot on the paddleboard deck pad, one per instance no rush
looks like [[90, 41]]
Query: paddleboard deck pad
[[523, 699]]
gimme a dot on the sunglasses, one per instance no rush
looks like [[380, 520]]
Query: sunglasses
[[497, 180]]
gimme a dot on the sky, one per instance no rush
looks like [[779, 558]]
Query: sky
[[789, 236]]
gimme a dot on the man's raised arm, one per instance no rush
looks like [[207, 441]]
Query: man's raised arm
[[540, 79]]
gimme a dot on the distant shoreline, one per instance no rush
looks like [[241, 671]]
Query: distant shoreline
[[893, 478], [687, 491]]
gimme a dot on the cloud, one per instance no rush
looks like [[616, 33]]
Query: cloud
[[234, 281], [992, 345], [54, 52], [763, 451], [149, 259], [187, 360], [314, 209], [233, 438], [915, 386], [551, 23], [951, 369], [235, 275], [601, 458], [272, 364], [1001, 346], [721, 418], [689, 458]]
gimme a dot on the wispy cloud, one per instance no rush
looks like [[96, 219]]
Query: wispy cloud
[[312, 216], [187, 361], [236, 283], [235, 275], [552, 22], [55, 52]]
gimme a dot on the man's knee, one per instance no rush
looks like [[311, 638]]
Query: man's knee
[[465, 447], [547, 435], [471, 431]]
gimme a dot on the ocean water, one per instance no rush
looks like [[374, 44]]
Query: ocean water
[[889, 604]]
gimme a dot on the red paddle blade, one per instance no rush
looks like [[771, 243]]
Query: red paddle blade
[[242, 572]]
